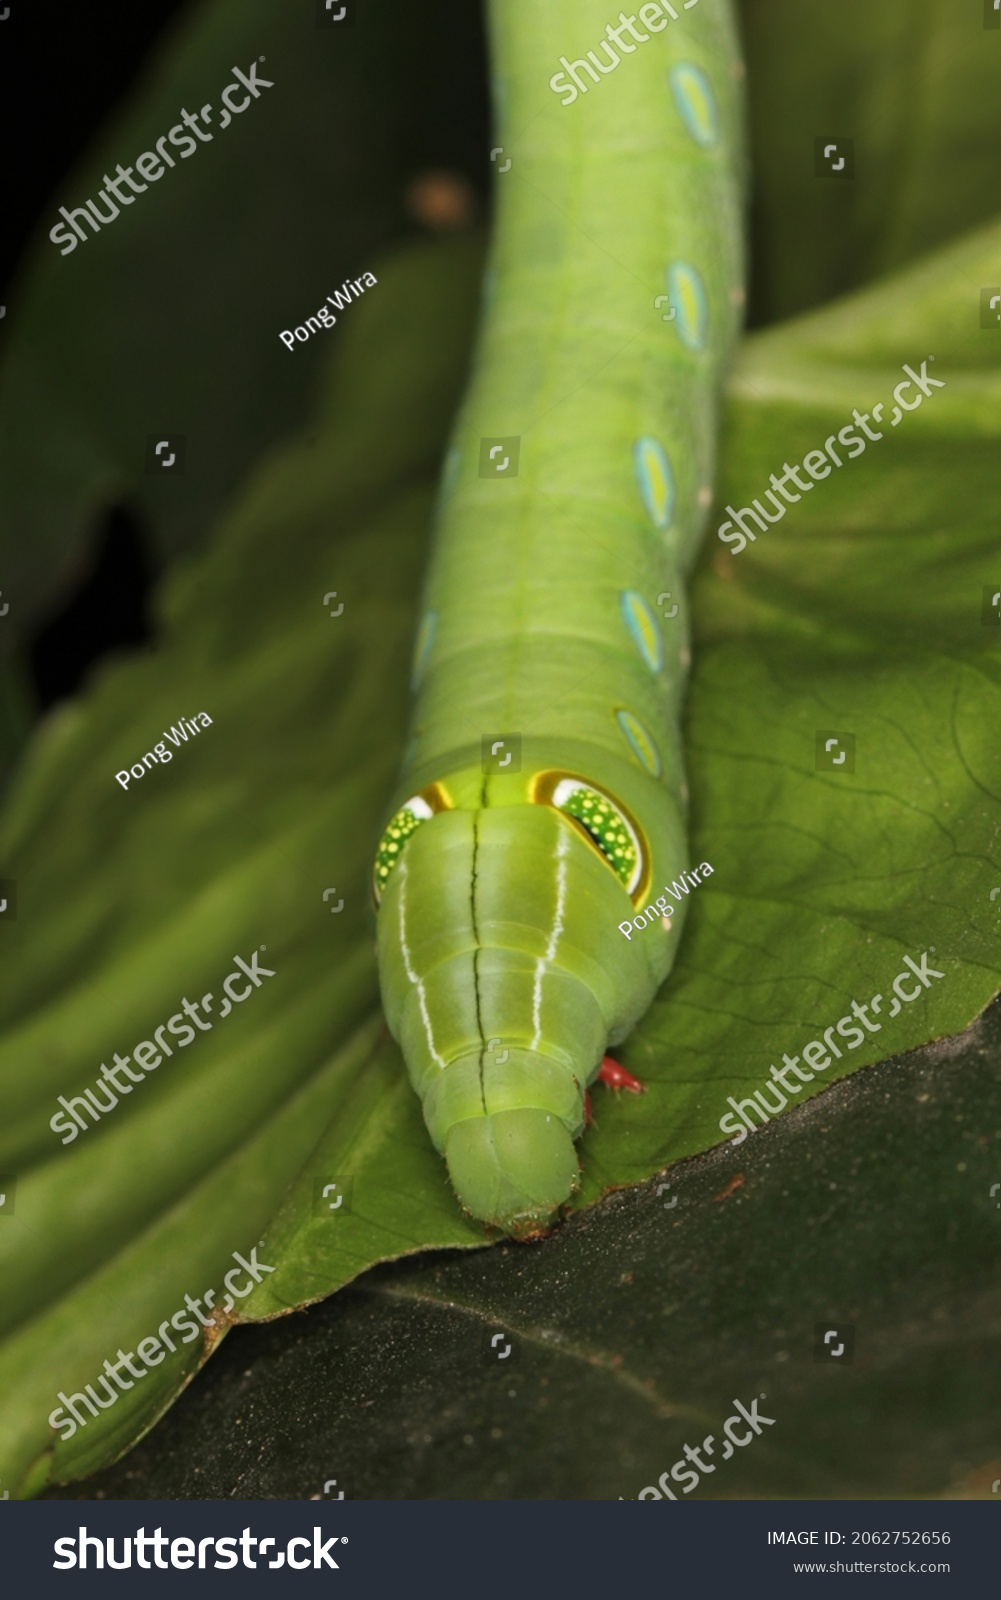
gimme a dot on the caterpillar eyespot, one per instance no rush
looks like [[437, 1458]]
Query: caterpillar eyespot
[[603, 821], [405, 822], [500, 895]]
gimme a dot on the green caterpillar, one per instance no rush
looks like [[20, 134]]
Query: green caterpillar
[[503, 874]]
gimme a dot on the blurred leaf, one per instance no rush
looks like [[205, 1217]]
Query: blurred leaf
[[636, 1327], [915, 84], [169, 318], [130, 900]]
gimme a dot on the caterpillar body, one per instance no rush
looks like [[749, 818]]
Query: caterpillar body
[[543, 791]]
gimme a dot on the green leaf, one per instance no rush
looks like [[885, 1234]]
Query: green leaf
[[824, 881], [131, 899], [914, 84], [636, 1327]]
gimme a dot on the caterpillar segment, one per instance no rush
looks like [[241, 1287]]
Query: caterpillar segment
[[543, 792]]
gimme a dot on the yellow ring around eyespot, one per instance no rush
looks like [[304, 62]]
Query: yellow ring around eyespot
[[436, 796]]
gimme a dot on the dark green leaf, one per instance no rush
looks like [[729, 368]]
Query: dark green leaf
[[638, 1325], [914, 84]]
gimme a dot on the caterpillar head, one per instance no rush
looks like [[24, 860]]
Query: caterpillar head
[[504, 974]]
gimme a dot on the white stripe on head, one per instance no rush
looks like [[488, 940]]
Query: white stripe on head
[[562, 847], [411, 974]]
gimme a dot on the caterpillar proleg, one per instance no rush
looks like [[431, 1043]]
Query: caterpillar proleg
[[543, 790]]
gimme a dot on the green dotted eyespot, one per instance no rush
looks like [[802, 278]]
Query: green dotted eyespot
[[606, 828], [407, 820], [602, 821], [417, 810]]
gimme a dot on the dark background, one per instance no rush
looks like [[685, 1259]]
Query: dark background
[[63, 69]]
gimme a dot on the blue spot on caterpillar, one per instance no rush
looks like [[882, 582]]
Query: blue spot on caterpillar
[[639, 741], [642, 624], [694, 98], [656, 481], [689, 297]]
